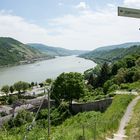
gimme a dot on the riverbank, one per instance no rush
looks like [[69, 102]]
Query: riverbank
[[30, 61]]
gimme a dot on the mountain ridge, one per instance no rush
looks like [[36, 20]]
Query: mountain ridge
[[55, 51], [111, 55], [111, 47]]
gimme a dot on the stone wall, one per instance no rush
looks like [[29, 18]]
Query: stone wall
[[100, 105]]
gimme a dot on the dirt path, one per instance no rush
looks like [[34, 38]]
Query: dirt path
[[124, 121]]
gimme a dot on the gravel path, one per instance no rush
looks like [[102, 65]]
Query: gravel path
[[126, 118]]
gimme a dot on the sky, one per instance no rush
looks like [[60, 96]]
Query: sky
[[71, 24]]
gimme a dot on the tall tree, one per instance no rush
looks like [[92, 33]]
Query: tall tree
[[104, 74], [68, 86]]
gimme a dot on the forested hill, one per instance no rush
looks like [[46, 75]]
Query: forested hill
[[112, 47], [111, 55], [13, 52], [56, 51]]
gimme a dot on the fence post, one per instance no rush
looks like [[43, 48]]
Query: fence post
[[95, 130]]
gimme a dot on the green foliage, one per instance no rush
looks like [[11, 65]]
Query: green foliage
[[68, 86], [49, 81], [112, 55], [130, 61], [13, 51], [137, 62], [120, 76], [72, 128], [11, 89], [21, 118], [112, 88], [107, 85], [103, 75], [92, 95], [5, 89], [12, 99], [18, 86], [131, 86], [32, 84], [93, 71]]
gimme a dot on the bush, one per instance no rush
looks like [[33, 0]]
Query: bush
[[22, 118], [12, 99], [113, 88]]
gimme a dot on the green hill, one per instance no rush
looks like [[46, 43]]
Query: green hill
[[56, 51], [111, 55], [112, 47], [14, 52]]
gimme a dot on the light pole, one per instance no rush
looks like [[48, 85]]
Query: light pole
[[49, 121]]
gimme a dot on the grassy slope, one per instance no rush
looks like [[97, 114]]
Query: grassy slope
[[133, 128], [72, 128], [13, 51]]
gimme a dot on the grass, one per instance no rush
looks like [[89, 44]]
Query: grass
[[87, 124], [131, 86], [106, 123], [133, 127]]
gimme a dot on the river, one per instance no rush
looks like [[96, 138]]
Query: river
[[40, 71]]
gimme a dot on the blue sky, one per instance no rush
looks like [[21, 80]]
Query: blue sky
[[72, 24], [40, 10]]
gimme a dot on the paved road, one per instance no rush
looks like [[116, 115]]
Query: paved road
[[34, 91], [124, 121]]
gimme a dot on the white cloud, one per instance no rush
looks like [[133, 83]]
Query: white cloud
[[94, 29], [82, 6], [132, 3], [111, 5], [60, 3], [88, 30], [19, 28]]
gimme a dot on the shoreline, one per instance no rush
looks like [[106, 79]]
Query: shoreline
[[25, 62]]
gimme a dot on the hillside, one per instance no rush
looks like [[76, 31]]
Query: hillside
[[56, 51], [111, 55], [112, 47], [14, 52]]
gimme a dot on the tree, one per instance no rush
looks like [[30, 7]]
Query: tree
[[120, 77], [18, 86], [130, 61], [116, 66], [113, 88], [11, 89], [5, 89], [32, 84], [68, 86], [137, 62], [21, 86], [25, 86], [107, 85], [49, 81], [104, 75]]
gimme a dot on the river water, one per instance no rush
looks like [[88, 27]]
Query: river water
[[40, 71]]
